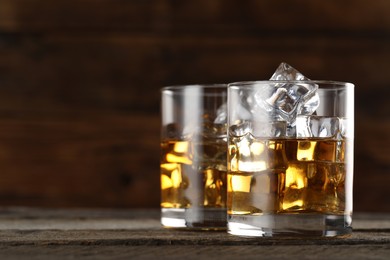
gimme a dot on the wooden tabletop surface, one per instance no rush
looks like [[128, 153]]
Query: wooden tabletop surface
[[31, 233]]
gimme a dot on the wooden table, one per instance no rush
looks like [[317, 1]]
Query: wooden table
[[127, 234]]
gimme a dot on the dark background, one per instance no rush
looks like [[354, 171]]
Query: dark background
[[80, 80]]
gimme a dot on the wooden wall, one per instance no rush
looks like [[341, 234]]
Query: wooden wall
[[80, 80]]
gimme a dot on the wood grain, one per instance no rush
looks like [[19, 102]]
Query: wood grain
[[143, 227], [223, 16], [80, 80], [31, 233]]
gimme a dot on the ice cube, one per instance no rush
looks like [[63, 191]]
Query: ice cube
[[284, 101], [305, 94], [295, 98], [288, 100], [317, 126], [269, 129], [278, 102], [287, 72], [240, 129], [172, 131], [259, 129], [213, 130], [346, 129], [221, 117]]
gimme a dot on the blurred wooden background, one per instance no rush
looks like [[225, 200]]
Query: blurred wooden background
[[80, 80]]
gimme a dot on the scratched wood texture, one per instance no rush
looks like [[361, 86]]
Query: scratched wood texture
[[80, 80], [31, 233]]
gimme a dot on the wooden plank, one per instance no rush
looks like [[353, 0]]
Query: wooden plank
[[75, 162], [359, 252], [51, 234], [77, 78], [126, 73], [142, 226], [164, 237], [47, 234], [46, 219], [198, 17], [71, 107]]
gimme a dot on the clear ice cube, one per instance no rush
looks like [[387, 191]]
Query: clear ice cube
[[207, 126], [284, 101], [221, 117], [260, 129], [241, 129], [295, 98], [287, 72], [346, 130], [318, 126], [269, 129]]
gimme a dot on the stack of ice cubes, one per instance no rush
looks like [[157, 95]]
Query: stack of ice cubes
[[284, 108], [284, 100]]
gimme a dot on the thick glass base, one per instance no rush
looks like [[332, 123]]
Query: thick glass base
[[194, 218], [290, 225]]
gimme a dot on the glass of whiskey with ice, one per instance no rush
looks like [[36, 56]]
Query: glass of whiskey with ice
[[193, 156], [290, 157]]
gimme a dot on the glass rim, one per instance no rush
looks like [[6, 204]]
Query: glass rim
[[200, 86], [330, 83]]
